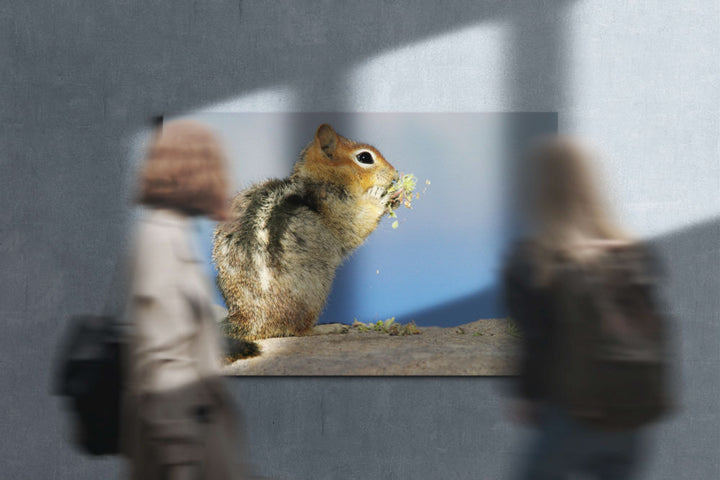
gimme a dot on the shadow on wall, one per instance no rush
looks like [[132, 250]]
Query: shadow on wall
[[691, 258], [82, 81], [123, 63]]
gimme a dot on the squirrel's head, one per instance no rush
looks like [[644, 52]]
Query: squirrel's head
[[357, 167]]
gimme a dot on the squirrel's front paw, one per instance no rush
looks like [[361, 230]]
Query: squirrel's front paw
[[376, 192], [379, 195]]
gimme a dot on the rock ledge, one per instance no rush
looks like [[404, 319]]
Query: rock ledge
[[483, 347]]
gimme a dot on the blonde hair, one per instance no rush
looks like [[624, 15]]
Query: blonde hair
[[185, 170], [572, 219]]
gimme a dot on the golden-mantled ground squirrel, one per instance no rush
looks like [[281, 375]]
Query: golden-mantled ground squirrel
[[276, 260]]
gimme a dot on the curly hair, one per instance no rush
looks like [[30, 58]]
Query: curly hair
[[185, 170]]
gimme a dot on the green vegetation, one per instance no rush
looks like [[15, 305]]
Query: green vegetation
[[403, 190], [513, 329], [389, 326]]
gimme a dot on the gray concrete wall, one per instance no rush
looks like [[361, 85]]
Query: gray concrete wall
[[79, 79]]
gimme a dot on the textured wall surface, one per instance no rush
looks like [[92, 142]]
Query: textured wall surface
[[80, 80]]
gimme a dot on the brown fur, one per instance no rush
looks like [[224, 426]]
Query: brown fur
[[277, 259]]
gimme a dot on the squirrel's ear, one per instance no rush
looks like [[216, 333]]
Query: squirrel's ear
[[327, 139]]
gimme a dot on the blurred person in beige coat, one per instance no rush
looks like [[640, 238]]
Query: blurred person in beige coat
[[178, 418]]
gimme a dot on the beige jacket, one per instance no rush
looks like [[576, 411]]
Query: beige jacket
[[178, 419]]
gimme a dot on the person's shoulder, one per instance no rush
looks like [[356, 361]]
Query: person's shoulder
[[639, 256], [152, 239], [155, 253], [157, 229]]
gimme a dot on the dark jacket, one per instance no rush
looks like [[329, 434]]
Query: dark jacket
[[532, 307]]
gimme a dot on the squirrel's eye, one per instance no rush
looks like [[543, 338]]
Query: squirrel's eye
[[365, 157]]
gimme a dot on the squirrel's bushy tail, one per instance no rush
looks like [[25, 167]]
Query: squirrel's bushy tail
[[237, 349]]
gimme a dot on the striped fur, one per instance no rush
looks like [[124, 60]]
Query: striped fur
[[277, 259]]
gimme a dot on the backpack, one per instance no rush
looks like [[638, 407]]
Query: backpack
[[611, 353], [91, 377], [90, 370]]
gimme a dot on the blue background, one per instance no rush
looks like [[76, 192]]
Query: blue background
[[440, 266]]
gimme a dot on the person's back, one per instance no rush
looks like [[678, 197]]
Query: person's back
[[563, 287], [179, 419], [611, 334]]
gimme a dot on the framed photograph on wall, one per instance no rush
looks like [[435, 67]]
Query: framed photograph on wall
[[413, 292]]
